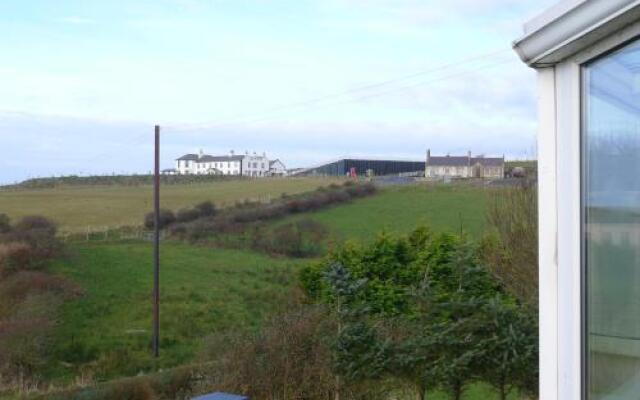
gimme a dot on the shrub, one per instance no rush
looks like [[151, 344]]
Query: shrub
[[5, 223], [288, 358], [25, 335], [303, 238], [210, 222], [206, 209], [14, 256], [18, 286], [39, 234], [511, 251], [36, 223], [202, 210], [187, 215], [166, 218]]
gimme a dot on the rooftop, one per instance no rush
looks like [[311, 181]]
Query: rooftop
[[209, 158], [461, 161], [572, 26]]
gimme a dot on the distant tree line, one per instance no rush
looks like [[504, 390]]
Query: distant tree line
[[120, 180]]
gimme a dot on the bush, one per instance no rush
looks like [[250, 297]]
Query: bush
[[206, 209], [207, 221], [14, 256], [36, 223], [203, 210], [511, 250], [5, 223], [289, 357], [303, 238], [39, 234], [18, 286], [166, 218], [187, 215], [29, 300]]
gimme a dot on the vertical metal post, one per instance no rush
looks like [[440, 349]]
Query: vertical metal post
[[156, 246]]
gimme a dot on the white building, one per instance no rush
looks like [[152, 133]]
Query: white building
[[464, 166], [587, 56], [277, 168], [238, 165]]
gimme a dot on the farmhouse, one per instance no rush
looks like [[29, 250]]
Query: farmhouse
[[464, 166], [587, 58], [253, 165]]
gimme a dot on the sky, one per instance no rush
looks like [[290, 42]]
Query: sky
[[83, 82]]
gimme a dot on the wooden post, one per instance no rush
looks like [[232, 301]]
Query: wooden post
[[156, 246]]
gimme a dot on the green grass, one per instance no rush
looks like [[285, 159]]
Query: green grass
[[76, 207], [202, 291], [207, 290], [477, 391], [401, 209]]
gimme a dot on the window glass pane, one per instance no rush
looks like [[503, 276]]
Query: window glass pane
[[612, 224]]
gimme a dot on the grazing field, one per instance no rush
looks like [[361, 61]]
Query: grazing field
[[107, 331], [76, 207], [206, 289], [400, 209]]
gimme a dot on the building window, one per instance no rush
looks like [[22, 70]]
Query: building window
[[611, 207]]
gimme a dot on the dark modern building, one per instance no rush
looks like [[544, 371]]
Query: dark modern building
[[362, 167]]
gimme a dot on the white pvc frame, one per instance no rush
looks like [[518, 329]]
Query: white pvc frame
[[560, 236]]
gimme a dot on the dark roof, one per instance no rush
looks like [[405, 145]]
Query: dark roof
[[221, 396], [461, 161], [208, 158], [188, 157], [275, 161], [488, 161], [448, 161]]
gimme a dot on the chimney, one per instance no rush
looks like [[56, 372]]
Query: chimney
[[233, 153], [469, 153], [200, 154], [428, 155]]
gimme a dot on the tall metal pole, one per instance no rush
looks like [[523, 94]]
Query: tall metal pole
[[156, 246]]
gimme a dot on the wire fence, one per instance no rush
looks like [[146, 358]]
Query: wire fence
[[109, 234]]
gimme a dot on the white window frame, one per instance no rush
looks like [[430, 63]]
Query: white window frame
[[561, 274]]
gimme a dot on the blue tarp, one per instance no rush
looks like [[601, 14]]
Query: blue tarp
[[221, 396]]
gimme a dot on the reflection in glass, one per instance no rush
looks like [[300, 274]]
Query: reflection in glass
[[612, 216]]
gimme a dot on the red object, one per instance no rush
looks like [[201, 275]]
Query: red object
[[352, 172]]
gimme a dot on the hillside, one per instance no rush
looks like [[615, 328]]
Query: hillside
[[457, 207], [202, 291], [205, 290], [75, 207]]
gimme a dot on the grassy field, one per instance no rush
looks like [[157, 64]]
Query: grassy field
[[76, 207], [207, 290], [402, 208], [203, 291], [204, 286]]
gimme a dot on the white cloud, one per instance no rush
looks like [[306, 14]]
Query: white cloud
[[77, 20]]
